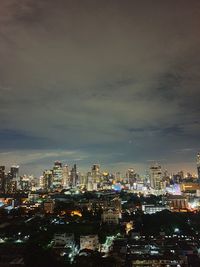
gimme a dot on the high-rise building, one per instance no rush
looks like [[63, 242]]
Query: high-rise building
[[2, 179], [95, 172], [156, 181], [74, 176], [178, 177], [13, 183], [131, 176], [118, 177], [25, 183], [14, 171], [47, 180], [198, 167], [89, 182], [65, 177], [57, 175]]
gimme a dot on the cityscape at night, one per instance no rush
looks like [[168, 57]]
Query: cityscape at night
[[99, 133]]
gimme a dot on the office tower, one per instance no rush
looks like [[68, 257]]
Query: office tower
[[96, 168], [65, 177], [47, 180], [74, 176], [118, 177], [35, 183], [131, 176], [2, 179], [14, 171], [25, 183], [178, 177], [156, 181], [83, 180], [198, 167], [89, 182], [57, 175], [95, 172], [10, 184]]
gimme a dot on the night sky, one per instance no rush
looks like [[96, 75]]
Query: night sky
[[109, 82]]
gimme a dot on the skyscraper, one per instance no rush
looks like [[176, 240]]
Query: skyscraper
[[74, 176], [156, 181], [47, 179], [57, 175], [2, 179], [95, 171], [15, 180], [198, 166], [14, 171], [65, 178], [131, 176]]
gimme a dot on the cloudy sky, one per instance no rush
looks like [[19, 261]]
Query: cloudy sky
[[107, 81]]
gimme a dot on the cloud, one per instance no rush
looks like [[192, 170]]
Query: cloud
[[91, 76]]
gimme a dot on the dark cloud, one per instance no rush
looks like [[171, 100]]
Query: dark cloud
[[116, 81]]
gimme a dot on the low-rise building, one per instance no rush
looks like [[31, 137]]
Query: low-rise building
[[64, 239], [111, 216], [151, 209], [49, 206], [89, 242], [178, 203]]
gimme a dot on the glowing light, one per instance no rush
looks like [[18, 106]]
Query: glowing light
[[117, 187], [76, 212]]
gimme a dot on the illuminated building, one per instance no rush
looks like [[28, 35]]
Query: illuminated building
[[91, 185], [11, 184], [129, 226], [198, 167], [57, 175], [89, 242], [49, 206], [118, 177], [156, 181], [178, 178], [65, 177], [47, 179], [131, 176], [111, 216], [151, 209], [116, 204], [25, 183], [14, 171], [2, 179], [95, 172], [74, 176], [189, 187], [158, 261], [178, 203], [83, 180], [64, 240]]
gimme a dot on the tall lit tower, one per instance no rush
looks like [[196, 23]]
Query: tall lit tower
[[2, 179], [131, 176], [57, 175], [14, 170], [65, 177], [95, 171], [198, 166], [155, 174], [74, 176], [47, 179]]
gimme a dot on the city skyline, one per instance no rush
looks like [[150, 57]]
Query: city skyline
[[114, 82], [143, 170]]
